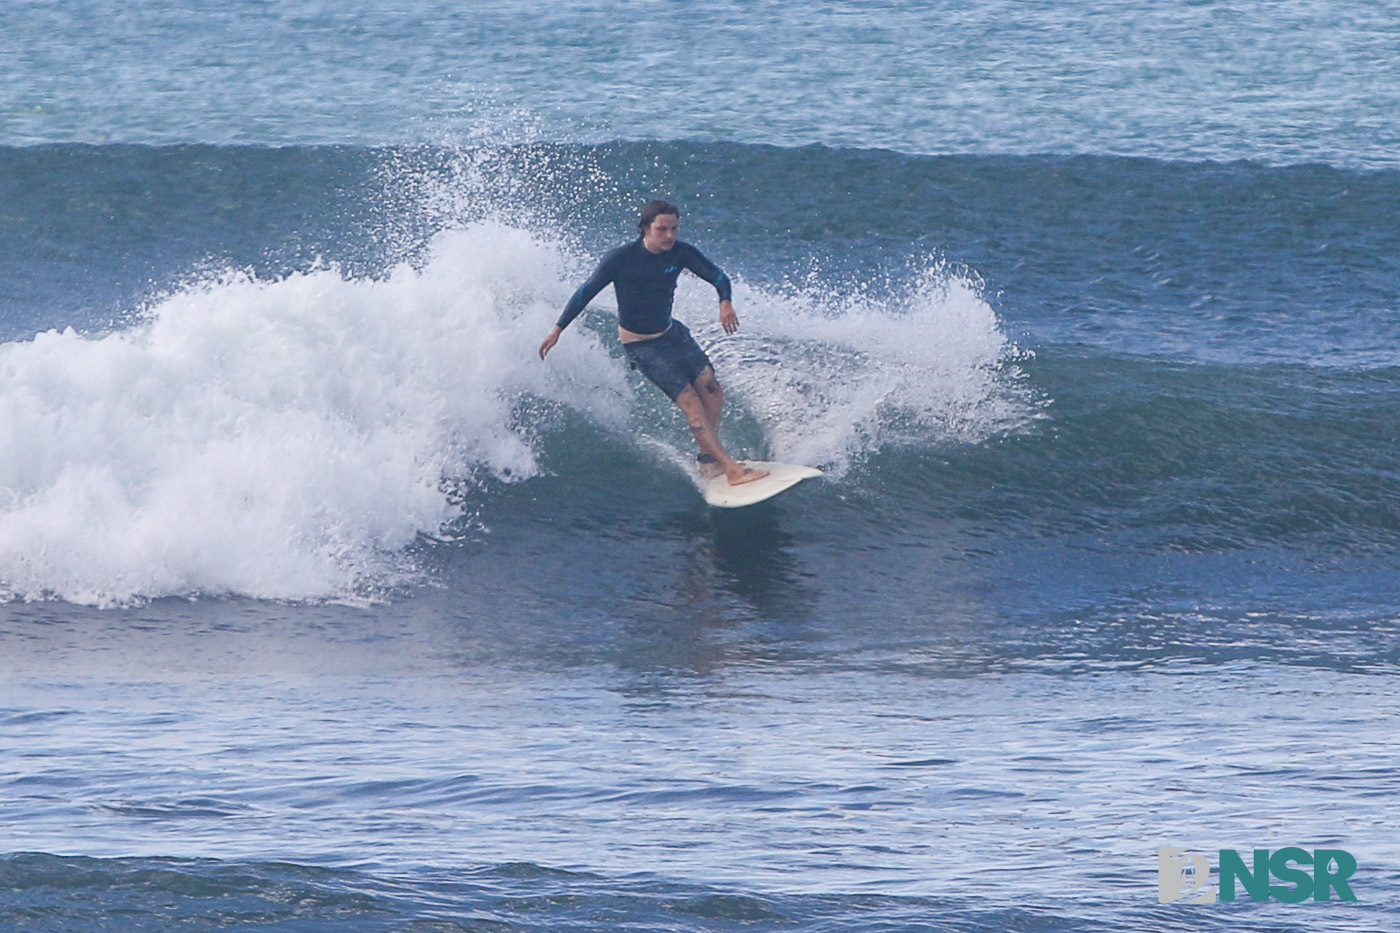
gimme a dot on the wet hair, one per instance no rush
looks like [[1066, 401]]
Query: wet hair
[[655, 209]]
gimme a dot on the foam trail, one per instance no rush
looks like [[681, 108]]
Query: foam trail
[[281, 439], [832, 378]]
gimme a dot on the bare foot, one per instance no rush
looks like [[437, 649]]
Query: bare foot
[[745, 475]]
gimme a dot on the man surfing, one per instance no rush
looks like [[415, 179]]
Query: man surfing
[[643, 275]]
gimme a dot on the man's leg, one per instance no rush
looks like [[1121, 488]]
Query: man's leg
[[711, 397], [697, 415]]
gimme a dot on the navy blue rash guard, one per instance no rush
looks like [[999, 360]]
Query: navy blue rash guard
[[645, 284]]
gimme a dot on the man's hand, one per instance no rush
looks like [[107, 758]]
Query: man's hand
[[550, 341], [727, 317]]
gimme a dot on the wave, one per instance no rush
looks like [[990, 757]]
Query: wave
[[290, 438], [1021, 337]]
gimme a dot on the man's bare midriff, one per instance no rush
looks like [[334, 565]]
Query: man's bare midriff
[[628, 336]]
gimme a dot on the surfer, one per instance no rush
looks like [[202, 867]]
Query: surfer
[[643, 275]]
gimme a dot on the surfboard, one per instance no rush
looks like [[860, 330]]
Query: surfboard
[[780, 476]]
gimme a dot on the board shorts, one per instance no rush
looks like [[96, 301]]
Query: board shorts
[[673, 361]]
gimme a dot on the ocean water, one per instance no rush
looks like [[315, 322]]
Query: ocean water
[[328, 605]]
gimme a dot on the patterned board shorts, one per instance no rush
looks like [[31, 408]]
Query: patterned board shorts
[[672, 361]]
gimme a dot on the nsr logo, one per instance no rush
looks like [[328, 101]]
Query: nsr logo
[[1185, 876]]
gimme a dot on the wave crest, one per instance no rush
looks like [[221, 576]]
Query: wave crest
[[279, 439]]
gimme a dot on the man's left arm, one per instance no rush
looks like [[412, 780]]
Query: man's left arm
[[697, 263]]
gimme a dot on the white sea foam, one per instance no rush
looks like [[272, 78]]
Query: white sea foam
[[832, 377], [280, 439]]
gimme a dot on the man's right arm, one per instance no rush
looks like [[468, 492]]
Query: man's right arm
[[586, 292]]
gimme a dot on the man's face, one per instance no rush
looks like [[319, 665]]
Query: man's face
[[661, 235]]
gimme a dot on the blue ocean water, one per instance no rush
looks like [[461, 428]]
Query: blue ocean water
[[322, 609]]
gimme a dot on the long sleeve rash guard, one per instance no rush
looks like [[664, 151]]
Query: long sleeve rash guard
[[645, 284]]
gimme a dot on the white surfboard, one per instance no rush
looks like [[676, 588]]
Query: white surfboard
[[780, 476]]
